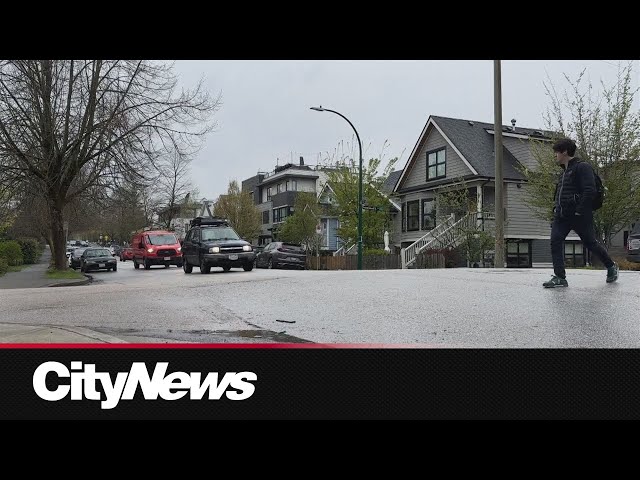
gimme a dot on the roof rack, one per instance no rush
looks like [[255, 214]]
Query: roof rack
[[208, 221]]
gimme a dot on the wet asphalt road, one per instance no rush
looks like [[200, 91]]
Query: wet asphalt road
[[451, 308]]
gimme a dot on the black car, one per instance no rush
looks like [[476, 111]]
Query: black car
[[282, 254], [211, 242], [96, 259], [633, 244], [74, 259]]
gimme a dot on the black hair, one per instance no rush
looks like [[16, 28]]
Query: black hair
[[565, 145]]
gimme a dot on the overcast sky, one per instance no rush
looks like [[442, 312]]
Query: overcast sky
[[265, 119]]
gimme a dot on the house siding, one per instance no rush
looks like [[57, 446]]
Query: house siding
[[418, 174], [520, 221], [251, 185]]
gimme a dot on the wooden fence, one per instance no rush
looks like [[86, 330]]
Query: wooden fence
[[350, 262], [430, 260]]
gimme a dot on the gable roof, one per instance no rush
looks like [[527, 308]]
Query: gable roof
[[392, 179], [474, 143]]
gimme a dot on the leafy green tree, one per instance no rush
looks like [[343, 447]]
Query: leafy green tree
[[238, 207], [607, 132], [301, 226], [376, 214]]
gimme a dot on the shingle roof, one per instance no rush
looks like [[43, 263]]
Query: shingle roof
[[392, 179], [472, 139]]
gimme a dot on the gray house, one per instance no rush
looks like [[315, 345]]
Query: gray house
[[274, 195], [454, 152]]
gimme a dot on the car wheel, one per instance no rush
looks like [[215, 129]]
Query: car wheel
[[166, 265], [82, 268], [147, 265], [115, 268], [248, 267], [136, 265], [204, 268], [187, 267], [226, 269]]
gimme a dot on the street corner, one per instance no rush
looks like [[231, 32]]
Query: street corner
[[73, 283]]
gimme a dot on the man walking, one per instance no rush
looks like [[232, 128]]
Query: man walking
[[573, 210]]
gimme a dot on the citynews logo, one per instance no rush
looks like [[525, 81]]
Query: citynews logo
[[168, 387]]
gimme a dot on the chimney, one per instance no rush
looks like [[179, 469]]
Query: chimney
[[513, 124], [301, 161]]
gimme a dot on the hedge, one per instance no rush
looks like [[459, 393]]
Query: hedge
[[31, 250], [11, 252]]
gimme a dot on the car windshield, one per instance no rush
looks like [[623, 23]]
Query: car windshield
[[292, 247], [163, 239], [219, 233], [102, 252]]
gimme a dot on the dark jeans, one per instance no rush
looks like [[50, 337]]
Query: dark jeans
[[583, 226]]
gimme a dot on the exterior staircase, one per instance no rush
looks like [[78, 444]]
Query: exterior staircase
[[447, 234]]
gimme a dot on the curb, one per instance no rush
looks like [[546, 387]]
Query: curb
[[87, 332], [86, 281]]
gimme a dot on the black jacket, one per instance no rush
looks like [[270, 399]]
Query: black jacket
[[575, 189]]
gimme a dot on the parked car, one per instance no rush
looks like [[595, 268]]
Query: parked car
[[633, 244], [96, 259], [212, 242], [74, 259], [116, 250], [282, 254], [126, 253]]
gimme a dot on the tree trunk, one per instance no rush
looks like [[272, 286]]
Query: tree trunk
[[58, 247]]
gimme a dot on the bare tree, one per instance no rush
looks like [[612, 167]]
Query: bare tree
[[172, 187], [69, 126]]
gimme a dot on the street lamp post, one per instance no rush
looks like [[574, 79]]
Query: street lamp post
[[321, 109]]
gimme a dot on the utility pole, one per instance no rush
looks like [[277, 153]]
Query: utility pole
[[497, 108]]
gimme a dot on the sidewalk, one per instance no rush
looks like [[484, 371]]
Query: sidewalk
[[41, 334], [35, 276]]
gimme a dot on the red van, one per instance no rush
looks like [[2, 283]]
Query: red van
[[156, 247]]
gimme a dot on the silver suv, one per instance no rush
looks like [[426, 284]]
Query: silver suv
[[633, 244]]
